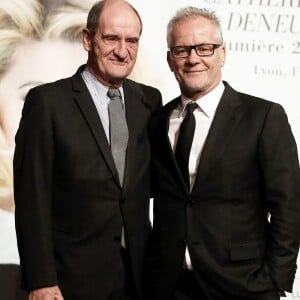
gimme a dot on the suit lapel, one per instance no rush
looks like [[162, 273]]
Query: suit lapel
[[89, 111], [131, 98], [228, 114], [135, 110], [163, 142]]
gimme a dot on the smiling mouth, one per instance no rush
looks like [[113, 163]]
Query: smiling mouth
[[119, 63], [197, 72], [194, 71]]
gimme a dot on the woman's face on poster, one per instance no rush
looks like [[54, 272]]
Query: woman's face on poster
[[34, 63]]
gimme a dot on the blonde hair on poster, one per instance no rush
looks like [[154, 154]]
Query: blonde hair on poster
[[20, 22]]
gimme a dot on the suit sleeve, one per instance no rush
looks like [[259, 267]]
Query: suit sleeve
[[154, 99], [280, 170], [157, 105], [33, 164]]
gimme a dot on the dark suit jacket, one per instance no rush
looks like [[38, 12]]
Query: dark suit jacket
[[70, 206], [248, 167]]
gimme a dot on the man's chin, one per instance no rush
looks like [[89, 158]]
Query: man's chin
[[118, 76]]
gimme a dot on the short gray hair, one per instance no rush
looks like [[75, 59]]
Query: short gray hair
[[191, 12]]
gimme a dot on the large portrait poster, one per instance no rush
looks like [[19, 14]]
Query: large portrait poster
[[40, 41]]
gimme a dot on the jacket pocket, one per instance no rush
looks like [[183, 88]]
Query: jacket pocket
[[247, 250]]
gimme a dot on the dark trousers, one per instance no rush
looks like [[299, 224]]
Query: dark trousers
[[10, 283]]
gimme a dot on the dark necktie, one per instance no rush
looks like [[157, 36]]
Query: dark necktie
[[118, 131], [185, 140]]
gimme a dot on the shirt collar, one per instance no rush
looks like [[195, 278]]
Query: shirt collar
[[208, 103], [102, 89]]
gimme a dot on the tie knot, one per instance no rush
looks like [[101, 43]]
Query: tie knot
[[113, 93], [191, 107]]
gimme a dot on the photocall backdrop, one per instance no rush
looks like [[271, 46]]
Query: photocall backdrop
[[263, 59]]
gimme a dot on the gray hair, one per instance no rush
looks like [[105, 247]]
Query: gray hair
[[95, 12], [191, 12]]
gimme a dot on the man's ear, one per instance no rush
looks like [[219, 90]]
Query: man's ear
[[170, 61], [223, 55], [86, 39]]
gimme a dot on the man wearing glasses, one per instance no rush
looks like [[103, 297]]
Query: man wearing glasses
[[226, 180]]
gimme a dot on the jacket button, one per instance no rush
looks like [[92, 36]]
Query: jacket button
[[181, 243], [192, 203], [117, 239]]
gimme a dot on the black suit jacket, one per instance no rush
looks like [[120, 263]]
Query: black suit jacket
[[70, 207], [248, 167]]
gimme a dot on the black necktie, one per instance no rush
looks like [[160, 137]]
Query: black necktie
[[118, 131], [185, 140]]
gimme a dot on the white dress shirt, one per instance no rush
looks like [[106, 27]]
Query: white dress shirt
[[98, 92], [204, 116]]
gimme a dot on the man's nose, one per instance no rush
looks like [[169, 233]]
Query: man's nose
[[193, 57], [121, 49]]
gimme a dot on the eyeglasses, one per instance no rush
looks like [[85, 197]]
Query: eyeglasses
[[202, 50]]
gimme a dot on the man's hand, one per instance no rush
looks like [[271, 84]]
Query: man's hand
[[47, 293]]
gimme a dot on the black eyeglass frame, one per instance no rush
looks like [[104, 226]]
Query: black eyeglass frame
[[190, 48]]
